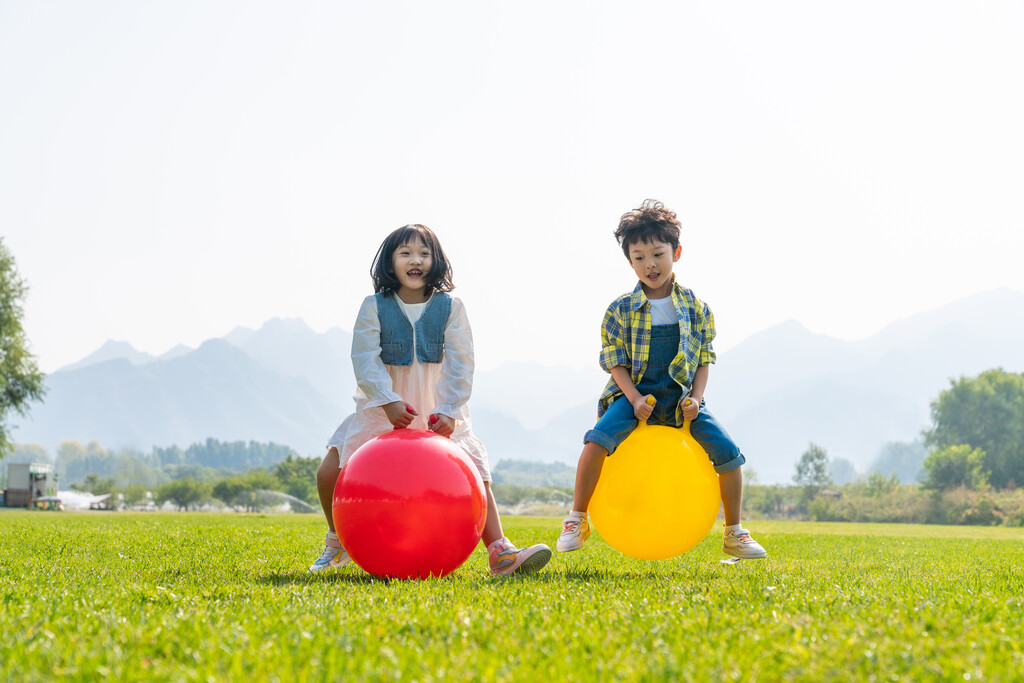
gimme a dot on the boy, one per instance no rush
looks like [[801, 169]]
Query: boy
[[656, 343]]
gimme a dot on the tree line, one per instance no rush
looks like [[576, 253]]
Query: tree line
[[970, 473], [251, 491]]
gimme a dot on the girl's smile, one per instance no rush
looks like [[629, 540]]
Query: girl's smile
[[411, 263]]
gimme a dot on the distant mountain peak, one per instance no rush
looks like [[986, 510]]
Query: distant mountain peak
[[175, 351], [112, 349], [239, 335]]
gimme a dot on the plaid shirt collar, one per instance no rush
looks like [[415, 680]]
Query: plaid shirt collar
[[639, 297]]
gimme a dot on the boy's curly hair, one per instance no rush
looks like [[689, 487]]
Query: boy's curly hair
[[650, 223]]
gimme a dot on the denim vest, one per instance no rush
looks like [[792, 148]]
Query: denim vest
[[396, 334]]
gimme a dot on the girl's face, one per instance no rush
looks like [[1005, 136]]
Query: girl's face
[[411, 263]]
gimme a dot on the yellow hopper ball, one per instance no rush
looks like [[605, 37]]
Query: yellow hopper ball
[[658, 495]]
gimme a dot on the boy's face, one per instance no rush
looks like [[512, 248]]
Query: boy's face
[[652, 263]]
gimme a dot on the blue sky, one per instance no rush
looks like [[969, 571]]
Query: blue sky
[[169, 171]]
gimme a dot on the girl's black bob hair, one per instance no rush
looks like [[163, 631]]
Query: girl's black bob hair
[[438, 278]]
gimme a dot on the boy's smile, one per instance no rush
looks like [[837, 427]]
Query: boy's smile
[[411, 262], [652, 263]]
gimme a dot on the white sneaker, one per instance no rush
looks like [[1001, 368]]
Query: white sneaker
[[574, 533], [332, 557], [739, 544]]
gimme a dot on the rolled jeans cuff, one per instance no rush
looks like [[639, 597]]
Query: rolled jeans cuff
[[731, 465], [601, 439]]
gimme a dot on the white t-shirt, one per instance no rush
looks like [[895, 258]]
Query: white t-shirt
[[663, 311]]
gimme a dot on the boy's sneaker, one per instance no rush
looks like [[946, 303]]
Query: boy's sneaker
[[738, 543], [332, 557], [506, 559], [574, 533]]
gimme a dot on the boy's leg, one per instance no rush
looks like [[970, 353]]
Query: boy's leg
[[504, 557], [588, 473], [731, 486], [725, 455], [575, 528], [615, 425]]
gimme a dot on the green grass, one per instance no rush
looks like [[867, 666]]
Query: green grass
[[226, 597]]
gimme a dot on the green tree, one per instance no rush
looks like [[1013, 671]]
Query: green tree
[[987, 413], [21, 382], [298, 476], [813, 468], [184, 493], [230, 490], [135, 494], [953, 466], [812, 471], [247, 490], [878, 485], [96, 486], [257, 481]]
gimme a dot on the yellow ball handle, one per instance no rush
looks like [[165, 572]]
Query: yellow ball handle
[[650, 401]]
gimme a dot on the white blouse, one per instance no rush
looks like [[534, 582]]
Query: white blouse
[[442, 387]]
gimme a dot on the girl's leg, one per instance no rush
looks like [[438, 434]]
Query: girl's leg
[[333, 555], [503, 557], [492, 527], [731, 485], [588, 472], [326, 479]]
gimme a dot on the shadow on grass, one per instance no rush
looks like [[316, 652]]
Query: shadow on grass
[[342, 576]]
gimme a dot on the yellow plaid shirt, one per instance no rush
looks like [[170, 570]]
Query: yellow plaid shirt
[[626, 340]]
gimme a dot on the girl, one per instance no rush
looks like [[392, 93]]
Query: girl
[[412, 351]]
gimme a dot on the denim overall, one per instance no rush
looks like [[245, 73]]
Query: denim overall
[[619, 421]]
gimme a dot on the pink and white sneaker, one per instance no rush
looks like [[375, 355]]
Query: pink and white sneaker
[[506, 559], [738, 543]]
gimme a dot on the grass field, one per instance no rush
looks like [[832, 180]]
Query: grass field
[[226, 597]]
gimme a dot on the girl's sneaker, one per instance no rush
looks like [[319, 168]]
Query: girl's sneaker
[[506, 559], [333, 557], [575, 531], [738, 543]]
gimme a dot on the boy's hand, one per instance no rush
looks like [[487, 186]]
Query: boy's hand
[[643, 407], [399, 414], [442, 424], [691, 408]]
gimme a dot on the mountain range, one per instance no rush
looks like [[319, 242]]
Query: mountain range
[[776, 391]]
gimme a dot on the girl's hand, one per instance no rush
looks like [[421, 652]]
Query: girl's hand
[[690, 408], [442, 424], [643, 406], [399, 414]]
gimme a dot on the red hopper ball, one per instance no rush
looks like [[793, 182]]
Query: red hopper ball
[[409, 504]]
